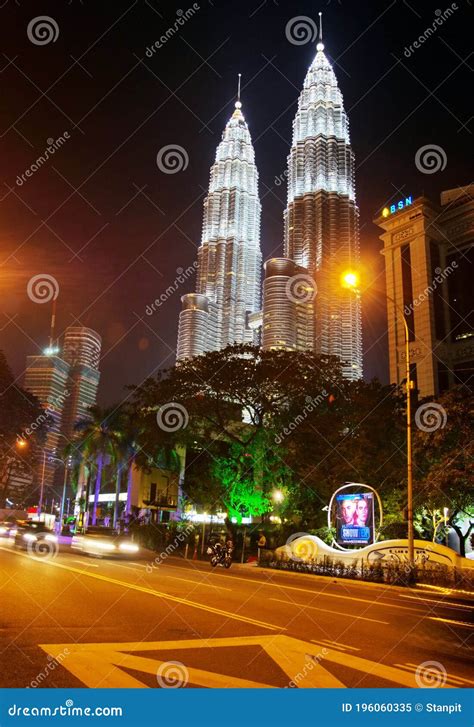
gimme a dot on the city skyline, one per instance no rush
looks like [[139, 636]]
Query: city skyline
[[112, 262], [236, 341]]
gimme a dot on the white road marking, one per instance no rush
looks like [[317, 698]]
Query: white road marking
[[325, 610]]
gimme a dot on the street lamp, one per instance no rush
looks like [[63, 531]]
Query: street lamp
[[278, 496], [350, 280]]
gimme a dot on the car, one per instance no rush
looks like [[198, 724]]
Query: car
[[35, 537], [7, 528], [104, 542]]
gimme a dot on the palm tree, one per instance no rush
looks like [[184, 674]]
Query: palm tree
[[129, 448], [99, 442]]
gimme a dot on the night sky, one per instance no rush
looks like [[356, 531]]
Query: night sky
[[112, 229]]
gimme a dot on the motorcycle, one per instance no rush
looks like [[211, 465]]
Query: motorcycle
[[220, 554]]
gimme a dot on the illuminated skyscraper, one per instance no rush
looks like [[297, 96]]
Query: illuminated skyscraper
[[46, 377], [65, 382], [81, 351], [229, 258], [321, 228]]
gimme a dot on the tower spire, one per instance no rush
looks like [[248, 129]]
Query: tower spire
[[238, 104], [320, 45]]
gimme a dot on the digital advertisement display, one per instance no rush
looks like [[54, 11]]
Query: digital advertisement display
[[355, 518]]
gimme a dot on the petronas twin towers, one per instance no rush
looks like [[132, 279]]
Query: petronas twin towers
[[304, 305]]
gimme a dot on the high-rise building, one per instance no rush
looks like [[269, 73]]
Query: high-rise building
[[81, 351], [429, 258], [229, 257], [65, 383], [321, 228], [46, 377], [288, 295]]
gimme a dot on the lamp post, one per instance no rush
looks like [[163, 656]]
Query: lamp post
[[350, 280], [63, 497], [64, 462], [43, 472]]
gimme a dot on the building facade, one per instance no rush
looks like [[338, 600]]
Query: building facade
[[65, 380], [429, 259], [46, 376], [288, 305], [321, 228], [81, 351], [229, 257]]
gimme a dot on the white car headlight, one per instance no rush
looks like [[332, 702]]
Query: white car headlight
[[3, 531], [129, 547], [30, 537], [103, 545]]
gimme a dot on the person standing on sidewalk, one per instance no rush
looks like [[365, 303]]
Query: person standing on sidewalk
[[261, 542]]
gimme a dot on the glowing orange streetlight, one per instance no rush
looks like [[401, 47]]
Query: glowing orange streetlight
[[350, 279], [21, 443]]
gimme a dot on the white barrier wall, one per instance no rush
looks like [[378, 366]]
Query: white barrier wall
[[305, 547]]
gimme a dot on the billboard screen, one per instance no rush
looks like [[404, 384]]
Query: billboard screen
[[355, 519]]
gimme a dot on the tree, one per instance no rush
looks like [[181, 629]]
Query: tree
[[99, 442], [354, 434], [239, 396], [21, 420], [444, 455]]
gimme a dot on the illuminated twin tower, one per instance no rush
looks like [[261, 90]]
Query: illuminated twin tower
[[304, 305]]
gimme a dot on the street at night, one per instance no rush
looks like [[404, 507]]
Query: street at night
[[113, 624], [236, 363]]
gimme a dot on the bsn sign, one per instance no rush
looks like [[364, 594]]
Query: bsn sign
[[397, 207]]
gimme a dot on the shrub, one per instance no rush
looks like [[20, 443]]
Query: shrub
[[391, 572]]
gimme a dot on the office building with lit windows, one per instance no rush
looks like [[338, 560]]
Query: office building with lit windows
[[321, 231], [81, 351], [65, 380], [229, 257], [429, 259], [46, 376]]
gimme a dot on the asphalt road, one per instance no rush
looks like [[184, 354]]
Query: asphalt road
[[75, 621]]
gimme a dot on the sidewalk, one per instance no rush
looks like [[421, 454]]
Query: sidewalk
[[419, 589]]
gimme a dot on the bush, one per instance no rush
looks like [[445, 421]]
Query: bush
[[391, 572]]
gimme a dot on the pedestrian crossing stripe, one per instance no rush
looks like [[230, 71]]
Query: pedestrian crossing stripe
[[102, 665]]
